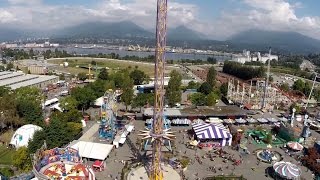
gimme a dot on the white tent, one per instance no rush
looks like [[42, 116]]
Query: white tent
[[22, 135], [57, 107], [92, 150], [99, 101]]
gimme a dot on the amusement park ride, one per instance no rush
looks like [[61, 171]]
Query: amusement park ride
[[108, 114], [157, 134]]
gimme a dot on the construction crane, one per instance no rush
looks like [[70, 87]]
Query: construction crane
[[157, 134]]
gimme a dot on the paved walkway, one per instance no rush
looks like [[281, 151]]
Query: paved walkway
[[141, 174], [87, 136]]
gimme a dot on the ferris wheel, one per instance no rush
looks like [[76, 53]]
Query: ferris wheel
[[108, 114]]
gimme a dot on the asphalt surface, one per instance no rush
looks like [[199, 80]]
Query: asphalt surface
[[250, 168]]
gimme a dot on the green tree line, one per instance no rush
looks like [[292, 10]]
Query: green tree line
[[243, 71]]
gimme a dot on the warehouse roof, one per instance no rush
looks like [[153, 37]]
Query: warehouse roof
[[32, 82], [11, 75], [14, 80], [4, 73]]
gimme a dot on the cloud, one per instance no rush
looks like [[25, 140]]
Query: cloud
[[269, 15], [6, 16], [15, 2]]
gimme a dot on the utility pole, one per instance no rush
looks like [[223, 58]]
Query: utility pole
[[310, 94], [242, 96], [264, 101], [250, 92]]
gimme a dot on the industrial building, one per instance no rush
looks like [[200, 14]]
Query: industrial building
[[35, 66], [247, 56], [15, 80]]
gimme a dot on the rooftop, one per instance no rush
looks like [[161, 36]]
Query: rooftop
[[201, 111], [17, 79], [40, 79], [214, 111], [10, 75]]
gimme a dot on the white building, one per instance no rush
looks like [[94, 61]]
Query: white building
[[11, 46], [246, 56]]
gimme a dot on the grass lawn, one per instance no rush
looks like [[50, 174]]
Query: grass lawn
[[6, 155], [113, 64]]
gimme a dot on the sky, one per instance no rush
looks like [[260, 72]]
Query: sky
[[217, 19]]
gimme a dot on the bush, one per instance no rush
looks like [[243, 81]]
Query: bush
[[6, 172]]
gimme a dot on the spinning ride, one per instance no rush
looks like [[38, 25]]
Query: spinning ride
[[59, 164]]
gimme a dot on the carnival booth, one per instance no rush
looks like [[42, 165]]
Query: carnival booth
[[98, 166], [212, 135]]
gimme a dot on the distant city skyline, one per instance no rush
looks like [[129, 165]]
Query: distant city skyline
[[215, 18]]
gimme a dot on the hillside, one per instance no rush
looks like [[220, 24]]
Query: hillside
[[183, 33], [105, 30], [280, 41]]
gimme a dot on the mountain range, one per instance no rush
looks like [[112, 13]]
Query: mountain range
[[278, 40], [254, 40]]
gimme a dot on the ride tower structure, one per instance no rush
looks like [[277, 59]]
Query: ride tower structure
[[107, 129], [157, 134]]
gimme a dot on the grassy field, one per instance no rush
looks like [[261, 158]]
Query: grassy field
[[148, 68], [6, 155]]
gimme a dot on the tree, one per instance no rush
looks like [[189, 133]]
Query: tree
[[72, 115], [93, 62], [205, 88], [211, 77], [243, 71], [82, 76], [193, 85], [198, 99], [22, 160], [4, 91], [307, 88], [84, 96], [224, 89], [138, 76], [8, 107], [285, 87], [29, 104], [37, 141], [2, 68], [127, 88], [10, 66], [211, 99], [117, 78], [311, 159], [212, 60], [68, 103], [57, 133], [31, 112], [298, 85], [103, 75], [140, 100], [173, 92], [99, 87]]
